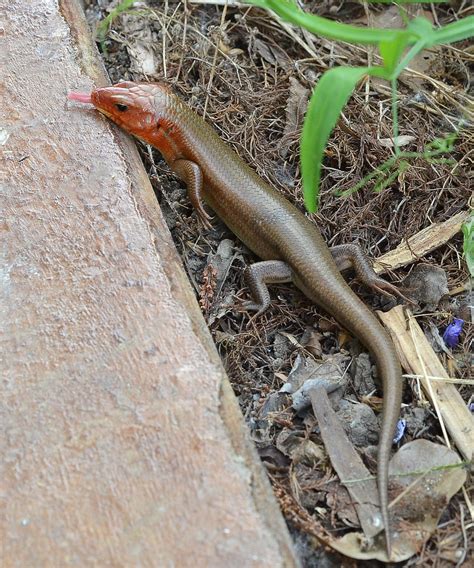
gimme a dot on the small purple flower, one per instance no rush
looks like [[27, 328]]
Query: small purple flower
[[452, 333], [471, 406], [400, 431]]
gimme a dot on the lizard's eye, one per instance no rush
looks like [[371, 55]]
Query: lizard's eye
[[121, 107]]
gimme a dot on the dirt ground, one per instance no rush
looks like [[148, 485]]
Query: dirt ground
[[251, 76]]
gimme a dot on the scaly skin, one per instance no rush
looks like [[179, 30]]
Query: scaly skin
[[266, 222]]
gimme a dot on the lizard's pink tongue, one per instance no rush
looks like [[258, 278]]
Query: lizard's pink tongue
[[80, 97]]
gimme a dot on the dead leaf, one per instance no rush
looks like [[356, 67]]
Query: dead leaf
[[272, 54], [426, 285], [143, 59], [295, 110], [402, 140], [222, 260], [359, 422], [340, 502], [311, 341], [299, 448], [228, 50], [274, 407], [424, 489], [362, 370]]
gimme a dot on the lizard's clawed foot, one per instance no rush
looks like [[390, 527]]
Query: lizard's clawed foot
[[388, 289], [250, 306], [204, 218]]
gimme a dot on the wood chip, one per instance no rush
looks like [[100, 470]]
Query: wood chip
[[423, 242]]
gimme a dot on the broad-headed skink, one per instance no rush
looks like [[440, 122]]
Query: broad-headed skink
[[290, 245]]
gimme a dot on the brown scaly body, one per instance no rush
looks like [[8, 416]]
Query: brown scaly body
[[290, 244]]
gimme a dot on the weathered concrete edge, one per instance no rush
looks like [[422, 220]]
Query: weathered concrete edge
[[265, 502]]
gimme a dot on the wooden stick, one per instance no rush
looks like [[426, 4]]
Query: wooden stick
[[423, 242], [346, 462]]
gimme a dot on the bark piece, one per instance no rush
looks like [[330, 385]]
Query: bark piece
[[420, 244]]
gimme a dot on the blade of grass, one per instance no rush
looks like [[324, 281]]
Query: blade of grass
[[379, 172], [328, 99], [468, 244], [456, 31], [391, 51], [401, 162], [104, 25], [413, 52], [289, 12], [382, 184]]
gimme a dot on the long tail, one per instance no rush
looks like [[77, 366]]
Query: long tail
[[353, 314], [390, 371]]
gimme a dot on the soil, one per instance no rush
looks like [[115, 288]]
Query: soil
[[250, 76]]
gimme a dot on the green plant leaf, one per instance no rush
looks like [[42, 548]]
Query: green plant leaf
[[456, 31], [391, 51], [328, 99], [422, 27], [104, 25], [289, 12], [468, 244], [413, 51]]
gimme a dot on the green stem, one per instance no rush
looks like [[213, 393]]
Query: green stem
[[395, 115], [327, 28]]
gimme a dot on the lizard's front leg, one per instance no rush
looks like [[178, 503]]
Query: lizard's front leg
[[191, 174]]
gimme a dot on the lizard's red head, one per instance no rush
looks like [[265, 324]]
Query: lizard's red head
[[139, 108]]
